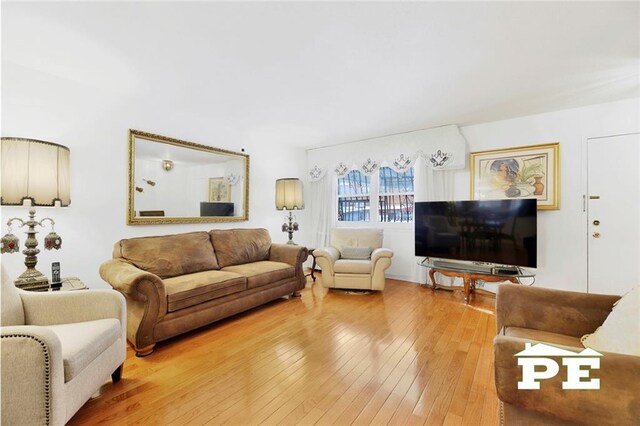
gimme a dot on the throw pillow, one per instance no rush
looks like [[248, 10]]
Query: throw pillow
[[356, 253], [620, 332]]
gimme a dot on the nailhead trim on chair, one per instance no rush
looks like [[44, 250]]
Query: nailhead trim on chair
[[47, 369]]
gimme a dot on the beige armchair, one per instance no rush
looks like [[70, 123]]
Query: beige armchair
[[57, 350], [355, 260]]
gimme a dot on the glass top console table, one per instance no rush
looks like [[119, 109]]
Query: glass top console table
[[471, 274]]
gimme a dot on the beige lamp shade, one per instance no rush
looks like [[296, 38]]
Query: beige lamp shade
[[289, 194], [35, 170]]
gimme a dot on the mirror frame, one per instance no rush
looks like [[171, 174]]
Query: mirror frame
[[132, 219]]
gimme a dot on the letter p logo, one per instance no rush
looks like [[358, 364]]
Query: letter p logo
[[531, 377]]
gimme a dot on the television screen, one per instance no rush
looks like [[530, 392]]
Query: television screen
[[492, 231], [216, 209]]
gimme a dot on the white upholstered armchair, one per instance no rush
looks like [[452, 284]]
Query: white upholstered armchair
[[355, 260], [57, 350]]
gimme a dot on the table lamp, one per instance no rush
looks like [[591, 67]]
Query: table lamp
[[289, 197], [37, 171]]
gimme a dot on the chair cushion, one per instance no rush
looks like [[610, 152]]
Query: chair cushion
[[169, 255], [352, 266], [239, 246], [264, 272], [543, 336], [192, 289], [620, 332], [82, 342], [361, 253]]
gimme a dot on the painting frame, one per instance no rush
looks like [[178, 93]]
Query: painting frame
[[520, 172], [219, 190]]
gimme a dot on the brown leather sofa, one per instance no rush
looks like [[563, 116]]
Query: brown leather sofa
[[560, 318], [176, 283]]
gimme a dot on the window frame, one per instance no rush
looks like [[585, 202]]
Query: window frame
[[374, 197]]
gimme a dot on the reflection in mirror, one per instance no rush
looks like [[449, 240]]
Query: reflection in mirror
[[174, 181]]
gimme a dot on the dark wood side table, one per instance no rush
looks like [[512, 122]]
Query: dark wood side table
[[313, 266], [67, 284]]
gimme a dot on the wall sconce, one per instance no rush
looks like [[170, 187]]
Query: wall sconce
[[289, 197], [167, 165], [37, 171]]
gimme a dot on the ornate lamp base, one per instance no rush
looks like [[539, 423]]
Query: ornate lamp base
[[32, 279]]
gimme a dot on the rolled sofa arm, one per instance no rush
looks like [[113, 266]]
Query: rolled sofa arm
[[146, 300], [32, 377], [293, 255], [564, 312], [616, 402], [288, 253]]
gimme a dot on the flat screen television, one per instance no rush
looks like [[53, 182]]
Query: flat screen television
[[216, 209], [502, 232]]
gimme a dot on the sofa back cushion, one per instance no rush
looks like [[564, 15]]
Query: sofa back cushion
[[169, 255], [239, 246]]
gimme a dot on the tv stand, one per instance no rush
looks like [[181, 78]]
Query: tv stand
[[470, 274]]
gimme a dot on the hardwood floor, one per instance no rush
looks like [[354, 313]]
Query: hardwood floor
[[402, 356]]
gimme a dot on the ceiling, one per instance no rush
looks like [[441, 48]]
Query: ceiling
[[319, 73]]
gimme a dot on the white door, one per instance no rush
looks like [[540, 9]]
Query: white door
[[613, 197]]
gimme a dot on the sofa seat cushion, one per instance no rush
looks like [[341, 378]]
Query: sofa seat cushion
[[264, 272], [193, 289], [352, 266], [543, 336], [83, 342], [169, 255]]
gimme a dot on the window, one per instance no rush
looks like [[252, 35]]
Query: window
[[354, 197], [395, 199], [390, 192]]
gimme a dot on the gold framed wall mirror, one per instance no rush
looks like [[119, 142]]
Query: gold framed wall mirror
[[175, 181]]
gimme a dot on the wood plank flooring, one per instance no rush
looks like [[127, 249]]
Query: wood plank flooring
[[402, 356]]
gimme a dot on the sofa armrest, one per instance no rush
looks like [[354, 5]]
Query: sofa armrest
[[293, 255], [73, 306], [288, 253], [127, 278], [558, 311], [616, 402], [32, 376], [146, 299]]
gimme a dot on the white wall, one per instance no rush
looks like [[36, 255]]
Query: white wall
[[92, 119], [91, 116], [562, 234]]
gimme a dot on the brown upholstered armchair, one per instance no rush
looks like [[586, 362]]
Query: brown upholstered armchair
[[560, 318]]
